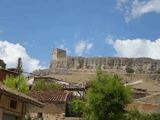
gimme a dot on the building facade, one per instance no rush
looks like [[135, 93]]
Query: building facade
[[55, 104], [13, 104], [4, 73]]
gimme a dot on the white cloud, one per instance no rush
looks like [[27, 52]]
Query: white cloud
[[136, 8], [136, 47], [10, 52], [83, 47], [121, 3]]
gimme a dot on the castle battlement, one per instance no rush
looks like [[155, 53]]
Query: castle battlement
[[61, 63]]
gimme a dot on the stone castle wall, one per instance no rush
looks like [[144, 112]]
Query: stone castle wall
[[62, 63]]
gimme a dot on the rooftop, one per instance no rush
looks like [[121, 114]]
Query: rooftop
[[9, 71], [50, 96]]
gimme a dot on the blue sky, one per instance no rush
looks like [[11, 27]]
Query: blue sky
[[122, 28]]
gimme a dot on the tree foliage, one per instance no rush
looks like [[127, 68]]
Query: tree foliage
[[106, 98], [129, 70], [78, 107], [19, 83], [41, 85], [19, 66]]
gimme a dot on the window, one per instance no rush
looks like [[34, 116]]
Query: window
[[13, 104]]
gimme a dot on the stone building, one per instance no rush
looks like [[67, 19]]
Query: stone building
[[55, 104], [62, 64]]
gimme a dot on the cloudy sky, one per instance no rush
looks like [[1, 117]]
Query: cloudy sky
[[32, 28]]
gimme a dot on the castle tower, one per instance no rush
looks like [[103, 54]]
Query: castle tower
[[59, 61], [58, 54]]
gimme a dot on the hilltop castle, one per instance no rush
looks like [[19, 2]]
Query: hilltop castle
[[61, 63]]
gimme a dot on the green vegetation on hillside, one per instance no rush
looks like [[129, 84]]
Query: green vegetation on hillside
[[41, 85]]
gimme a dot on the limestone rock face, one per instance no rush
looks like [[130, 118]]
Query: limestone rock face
[[62, 63]]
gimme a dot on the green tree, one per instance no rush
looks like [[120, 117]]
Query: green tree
[[19, 66], [19, 83], [77, 107], [106, 98]]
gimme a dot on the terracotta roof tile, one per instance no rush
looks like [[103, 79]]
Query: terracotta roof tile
[[49, 96]]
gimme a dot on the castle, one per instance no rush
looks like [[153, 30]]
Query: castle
[[61, 63]]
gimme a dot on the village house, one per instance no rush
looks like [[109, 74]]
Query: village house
[[5, 72], [14, 105], [55, 104]]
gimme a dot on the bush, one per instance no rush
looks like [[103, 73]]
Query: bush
[[77, 106], [19, 83], [106, 98], [41, 85], [129, 70], [136, 115]]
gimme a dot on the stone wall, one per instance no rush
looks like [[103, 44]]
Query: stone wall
[[51, 111], [62, 63]]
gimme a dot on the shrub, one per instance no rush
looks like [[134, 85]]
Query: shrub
[[136, 115], [106, 98], [19, 83], [129, 70], [41, 85]]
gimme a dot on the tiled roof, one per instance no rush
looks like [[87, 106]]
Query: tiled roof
[[9, 71], [49, 96], [18, 95]]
